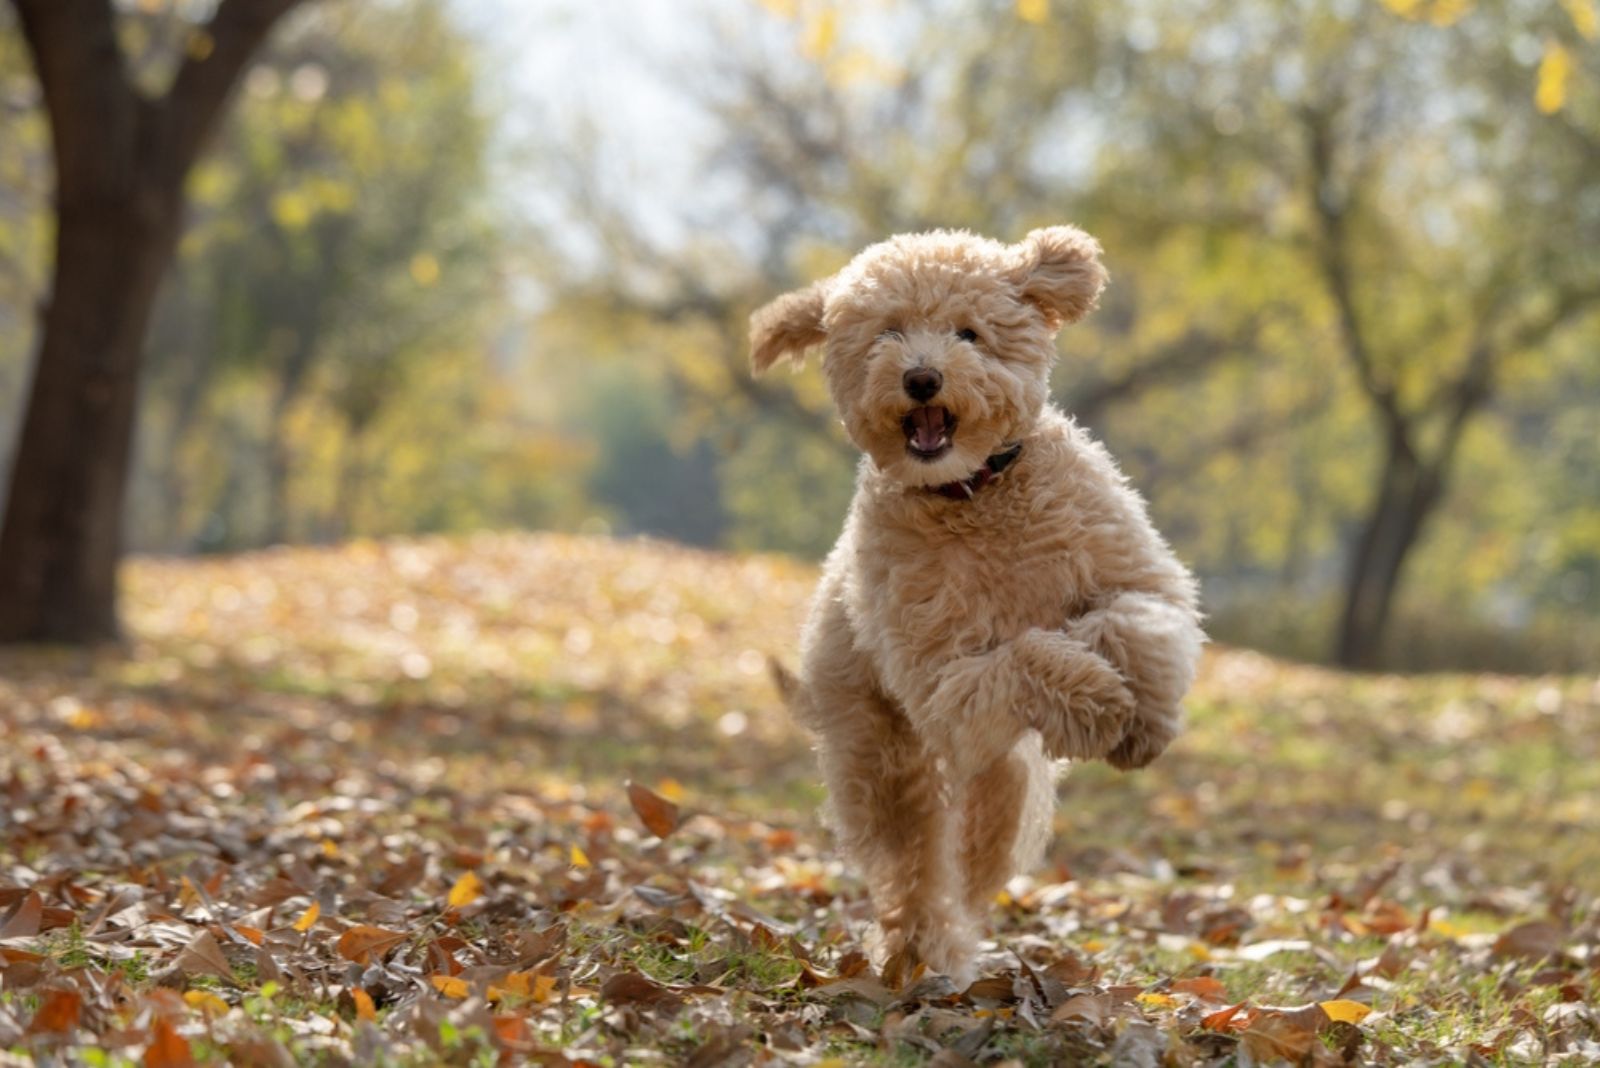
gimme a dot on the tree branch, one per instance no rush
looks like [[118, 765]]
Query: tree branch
[[1333, 263], [1194, 351], [186, 116]]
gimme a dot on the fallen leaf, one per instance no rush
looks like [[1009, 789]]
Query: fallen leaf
[[206, 1002], [307, 918], [1233, 1018], [24, 921], [449, 985], [627, 987], [167, 1048], [1531, 941], [659, 815], [1262, 950], [204, 956], [466, 890], [579, 858], [1095, 1008], [361, 943], [1204, 987], [365, 1009], [59, 1012], [1273, 1036], [1345, 1011]]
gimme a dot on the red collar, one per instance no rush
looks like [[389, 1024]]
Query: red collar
[[967, 488]]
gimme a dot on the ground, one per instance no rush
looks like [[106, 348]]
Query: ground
[[533, 798]]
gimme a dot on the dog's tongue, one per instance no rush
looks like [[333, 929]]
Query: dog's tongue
[[928, 427]]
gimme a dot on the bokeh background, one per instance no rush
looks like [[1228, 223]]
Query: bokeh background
[[464, 264]]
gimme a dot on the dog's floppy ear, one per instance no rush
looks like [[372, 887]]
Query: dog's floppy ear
[[787, 327], [1058, 270]]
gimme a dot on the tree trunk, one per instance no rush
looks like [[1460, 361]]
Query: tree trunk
[[63, 525], [1407, 496], [121, 159]]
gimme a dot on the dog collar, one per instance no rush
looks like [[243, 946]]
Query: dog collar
[[967, 488]]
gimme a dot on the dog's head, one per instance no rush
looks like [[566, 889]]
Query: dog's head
[[938, 346]]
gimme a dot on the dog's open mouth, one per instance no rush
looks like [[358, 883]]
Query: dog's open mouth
[[928, 432]]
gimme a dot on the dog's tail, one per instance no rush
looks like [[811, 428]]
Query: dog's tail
[[786, 682], [792, 691]]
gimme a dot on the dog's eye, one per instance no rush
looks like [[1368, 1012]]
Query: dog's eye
[[892, 334], [968, 335]]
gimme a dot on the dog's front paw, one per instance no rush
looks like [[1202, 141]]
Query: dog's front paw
[[1082, 705], [1145, 740]]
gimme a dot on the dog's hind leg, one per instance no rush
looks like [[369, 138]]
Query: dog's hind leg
[[1006, 815], [892, 820]]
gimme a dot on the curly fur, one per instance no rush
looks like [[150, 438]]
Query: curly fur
[[957, 650]]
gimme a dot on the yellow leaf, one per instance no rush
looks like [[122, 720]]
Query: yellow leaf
[[365, 1009], [208, 1003], [1034, 11], [580, 859], [424, 269], [467, 889], [1585, 17], [1156, 1001], [188, 896], [524, 985], [1343, 1011], [449, 986], [1198, 951], [671, 789], [821, 33], [1554, 70], [330, 848], [304, 923], [1093, 945], [200, 45]]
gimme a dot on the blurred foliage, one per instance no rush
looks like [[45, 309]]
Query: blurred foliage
[[398, 310], [1322, 221]]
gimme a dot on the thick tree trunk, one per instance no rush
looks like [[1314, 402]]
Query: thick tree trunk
[[63, 524], [121, 159], [1407, 496]]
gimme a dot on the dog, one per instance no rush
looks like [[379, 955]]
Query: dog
[[998, 601]]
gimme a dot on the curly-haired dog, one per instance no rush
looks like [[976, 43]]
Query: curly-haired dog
[[998, 599]]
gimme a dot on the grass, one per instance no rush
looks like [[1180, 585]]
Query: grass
[[299, 726]]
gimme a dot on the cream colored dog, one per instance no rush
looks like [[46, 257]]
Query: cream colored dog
[[998, 600]]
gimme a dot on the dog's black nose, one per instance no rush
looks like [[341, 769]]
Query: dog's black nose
[[922, 383]]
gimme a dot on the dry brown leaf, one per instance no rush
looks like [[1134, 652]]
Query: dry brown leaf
[[1273, 1036], [626, 987], [1205, 987], [59, 1012], [361, 943], [1531, 941], [167, 1048], [204, 956], [1233, 1018], [24, 921], [659, 815], [1096, 1009]]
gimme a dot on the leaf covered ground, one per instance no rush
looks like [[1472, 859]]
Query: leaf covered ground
[[532, 799]]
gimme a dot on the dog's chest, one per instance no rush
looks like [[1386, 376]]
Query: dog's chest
[[947, 593]]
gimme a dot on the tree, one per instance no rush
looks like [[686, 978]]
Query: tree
[[344, 235], [121, 160]]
